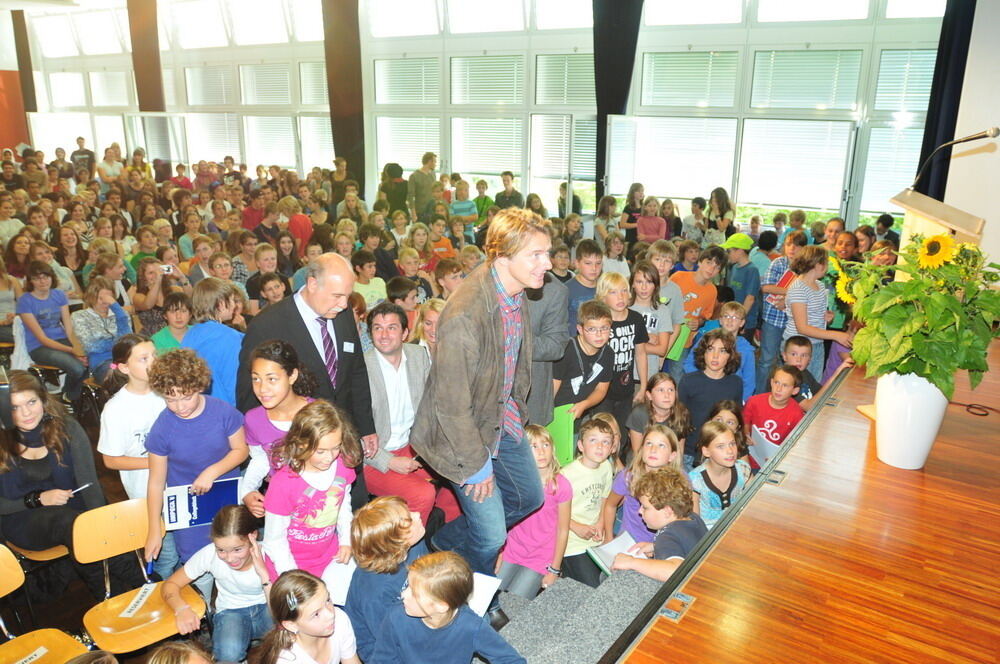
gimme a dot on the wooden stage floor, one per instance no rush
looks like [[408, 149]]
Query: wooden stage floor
[[849, 560]]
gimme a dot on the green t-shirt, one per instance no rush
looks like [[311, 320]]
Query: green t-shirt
[[164, 340], [373, 291], [138, 256]]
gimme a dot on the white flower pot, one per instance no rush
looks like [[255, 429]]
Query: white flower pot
[[908, 414]]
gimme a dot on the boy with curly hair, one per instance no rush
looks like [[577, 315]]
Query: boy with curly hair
[[196, 440]]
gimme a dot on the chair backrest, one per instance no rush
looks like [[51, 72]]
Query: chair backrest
[[11, 574], [111, 530]]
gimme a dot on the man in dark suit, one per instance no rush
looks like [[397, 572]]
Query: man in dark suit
[[318, 322]]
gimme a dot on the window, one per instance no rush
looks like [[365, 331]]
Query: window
[[408, 81], [212, 136], [702, 79], [258, 22], [704, 150], [405, 140], [59, 130], [486, 145], [307, 20], [265, 84], [161, 136], [199, 24], [904, 80], [893, 157], [565, 79], [108, 129], [799, 163], [55, 35], [169, 88], [685, 12], [121, 20], [562, 14], [465, 16], [111, 88], [312, 78], [403, 18], [806, 79], [316, 139], [487, 79], [97, 33], [914, 8], [551, 158], [270, 140], [67, 89], [210, 86], [796, 10]]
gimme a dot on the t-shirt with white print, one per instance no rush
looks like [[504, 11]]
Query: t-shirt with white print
[[625, 336], [580, 374], [125, 421]]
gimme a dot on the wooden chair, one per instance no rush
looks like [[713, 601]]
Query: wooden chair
[[43, 646], [32, 561], [137, 618]]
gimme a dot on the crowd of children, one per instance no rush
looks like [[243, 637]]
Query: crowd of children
[[688, 342]]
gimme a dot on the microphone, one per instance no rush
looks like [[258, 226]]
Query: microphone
[[992, 132]]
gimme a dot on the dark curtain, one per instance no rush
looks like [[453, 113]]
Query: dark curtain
[[342, 47], [142, 20], [22, 47], [616, 31], [946, 93]]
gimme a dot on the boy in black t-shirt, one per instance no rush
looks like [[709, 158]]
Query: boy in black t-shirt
[[666, 505], [582, 376]]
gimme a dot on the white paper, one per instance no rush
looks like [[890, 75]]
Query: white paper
[[762, 449], [484, 587], [348, 346], [604, 555], [337, 577], [137, 601], [34, 656]]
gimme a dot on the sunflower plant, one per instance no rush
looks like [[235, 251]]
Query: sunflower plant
[[939, 319]]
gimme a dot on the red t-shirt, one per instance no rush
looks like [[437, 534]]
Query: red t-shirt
[[773, 423], [252, 217], [301, 228]]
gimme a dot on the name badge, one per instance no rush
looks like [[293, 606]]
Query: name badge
[[348, 346]]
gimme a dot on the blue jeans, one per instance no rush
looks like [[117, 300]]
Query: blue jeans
[[770, 349], [676, 367], [169, 560], [817, 361], [65, 362], [234, 629], [482, 528]]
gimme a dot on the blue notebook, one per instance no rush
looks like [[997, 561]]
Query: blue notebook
[[182, 509]]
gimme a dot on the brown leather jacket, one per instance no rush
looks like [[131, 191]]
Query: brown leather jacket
[[458, 422]]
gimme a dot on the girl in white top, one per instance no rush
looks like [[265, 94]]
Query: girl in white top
[[130, 413], [308, 628], [235, 561], [614, 254]]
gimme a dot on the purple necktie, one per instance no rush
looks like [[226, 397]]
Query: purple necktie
[[329, 351]]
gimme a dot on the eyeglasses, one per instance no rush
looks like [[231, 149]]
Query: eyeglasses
[[732, 317], [597, 330]]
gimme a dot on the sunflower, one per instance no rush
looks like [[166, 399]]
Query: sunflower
[[935, 251], [843, 291]]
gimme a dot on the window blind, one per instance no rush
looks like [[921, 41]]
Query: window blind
[[403, 18], [96, 32], [307, 20], [312, 78], [486, 145], [110, 88], [169, 88], [566, 79], [798, 163], [67, 89], [404, 140], [257, 22], [270, 140], [700, 78], [265, 84], [904, 80], [487, 79], [466, 16], [563, 14], [671, 156], [408, 81], [214, 85], [685, 12], [157, 140], [316, 139], [550, 147], [212, 136], [806, 79], [893, 157]]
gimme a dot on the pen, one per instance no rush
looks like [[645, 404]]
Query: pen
[[78, 489], [149, 568]]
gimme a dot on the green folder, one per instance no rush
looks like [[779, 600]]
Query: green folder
[[561, 430], [677, 349]]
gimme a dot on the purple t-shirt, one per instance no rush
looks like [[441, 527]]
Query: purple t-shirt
[[262, 432], [191, 446], [47, 312], [631, 521], [532, 542]]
